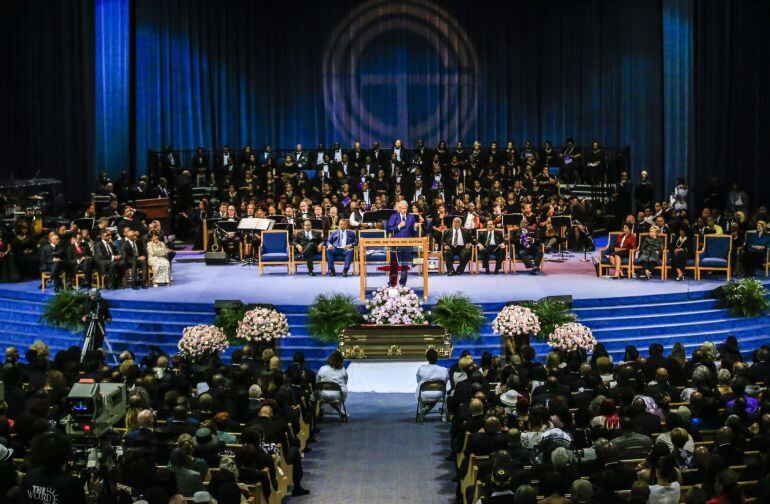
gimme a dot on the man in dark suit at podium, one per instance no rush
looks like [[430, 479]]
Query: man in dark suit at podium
[[403, 225], [457, 242]]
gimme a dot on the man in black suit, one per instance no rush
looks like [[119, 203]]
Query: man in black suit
[[759, 372], [306, 243], [456, 242], [135, 256], [491, 243], [143, 437], [51, 260], [109, 261], [644, 422], [161, 190], [483, 443]]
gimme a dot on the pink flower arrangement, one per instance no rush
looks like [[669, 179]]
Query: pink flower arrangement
[[572, 336], [202, 340], [394, 305], [262, 325], [515, 320]]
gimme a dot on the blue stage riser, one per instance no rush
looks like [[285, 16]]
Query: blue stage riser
[[688, 318]]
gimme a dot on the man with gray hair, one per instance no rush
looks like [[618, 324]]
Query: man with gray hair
[[403, 225], [456, 242]]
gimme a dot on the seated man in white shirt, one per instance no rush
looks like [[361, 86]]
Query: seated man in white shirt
[[428, 372]]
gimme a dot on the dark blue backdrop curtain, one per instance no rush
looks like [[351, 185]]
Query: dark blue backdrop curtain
[[678, 89], [47, 92], [732, 109], [245, 72], [112, 67]]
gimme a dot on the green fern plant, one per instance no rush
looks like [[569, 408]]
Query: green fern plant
[[65, 309], [746, 298], [328, 315], [228, 320], [462, 318], [551, 314]]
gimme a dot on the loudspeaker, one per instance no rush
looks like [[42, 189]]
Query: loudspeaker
[[251, 306], [221, 304], [718, 293], [215, 258], [521, 302], [567, 300]]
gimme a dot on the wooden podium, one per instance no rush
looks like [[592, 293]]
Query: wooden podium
[[393, 242], [157, 208]]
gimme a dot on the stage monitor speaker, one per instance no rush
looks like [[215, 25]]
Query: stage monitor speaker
[[221, 304], [718, 293], [251, 306], [567, 300], [521, 302], [215, 258]]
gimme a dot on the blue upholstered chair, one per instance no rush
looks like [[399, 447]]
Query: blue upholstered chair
[[374, 255], [275, 250], [715, 255]]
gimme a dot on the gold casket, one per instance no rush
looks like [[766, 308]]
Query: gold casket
[[397, 342]]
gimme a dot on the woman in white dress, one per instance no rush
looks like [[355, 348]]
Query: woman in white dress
[[157, 258]]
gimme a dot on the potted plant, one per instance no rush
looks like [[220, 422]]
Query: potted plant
[[458, 315], [329, 315]]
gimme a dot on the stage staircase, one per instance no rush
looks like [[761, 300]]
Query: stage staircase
[[689, 318]]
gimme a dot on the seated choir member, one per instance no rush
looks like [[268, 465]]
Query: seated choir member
[[340, 245], [491, 242], [230, 240], [306, 243], [623, 245], [457, 242]]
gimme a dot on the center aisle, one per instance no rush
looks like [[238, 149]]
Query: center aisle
[[380, 456]]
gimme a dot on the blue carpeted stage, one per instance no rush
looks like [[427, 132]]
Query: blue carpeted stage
[[620, 312]]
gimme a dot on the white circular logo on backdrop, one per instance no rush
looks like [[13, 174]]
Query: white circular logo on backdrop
[[455, 82]]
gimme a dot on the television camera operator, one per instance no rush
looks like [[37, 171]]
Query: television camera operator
[[96, 312]]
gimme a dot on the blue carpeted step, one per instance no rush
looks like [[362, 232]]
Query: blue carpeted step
[[633, 310], [616, 320], [662, 328]]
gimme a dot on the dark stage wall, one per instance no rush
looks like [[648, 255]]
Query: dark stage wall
[[93, 84]]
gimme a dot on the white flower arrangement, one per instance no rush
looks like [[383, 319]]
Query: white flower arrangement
[[202, 340], [572, 336], [262, 325], [516, 320], [394, 305]]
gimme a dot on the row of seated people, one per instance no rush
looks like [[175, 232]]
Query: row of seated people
[[230, 431], [80, 257], [455, 243], [587, 430], [679, 248], [330, 163]]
